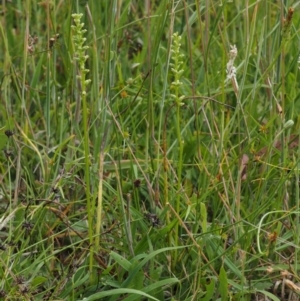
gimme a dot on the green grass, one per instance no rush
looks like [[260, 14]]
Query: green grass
[[153, 175]]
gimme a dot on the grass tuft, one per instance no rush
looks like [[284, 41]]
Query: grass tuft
[[149, 150]]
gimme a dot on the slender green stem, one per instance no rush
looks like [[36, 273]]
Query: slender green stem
[[179, 172]]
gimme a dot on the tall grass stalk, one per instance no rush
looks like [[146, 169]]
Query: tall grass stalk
[[99, 151], [176, 68], [80, 56], [50, 64]]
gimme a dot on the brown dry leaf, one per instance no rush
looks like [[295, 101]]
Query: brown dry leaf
[[291, 285], [279, 109], [244, 164]]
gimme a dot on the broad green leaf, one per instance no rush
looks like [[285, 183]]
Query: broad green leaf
[[118, 291], [145, 260], [154, 286], [269, 295], [139, 267]]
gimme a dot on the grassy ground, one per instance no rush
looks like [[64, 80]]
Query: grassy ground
[[151, 152]]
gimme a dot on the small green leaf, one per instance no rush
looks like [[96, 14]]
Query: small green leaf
[[210, 289], [124, 263], [263, 285], [203, 217], [38, 281], [223, 287], [3, 141]]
